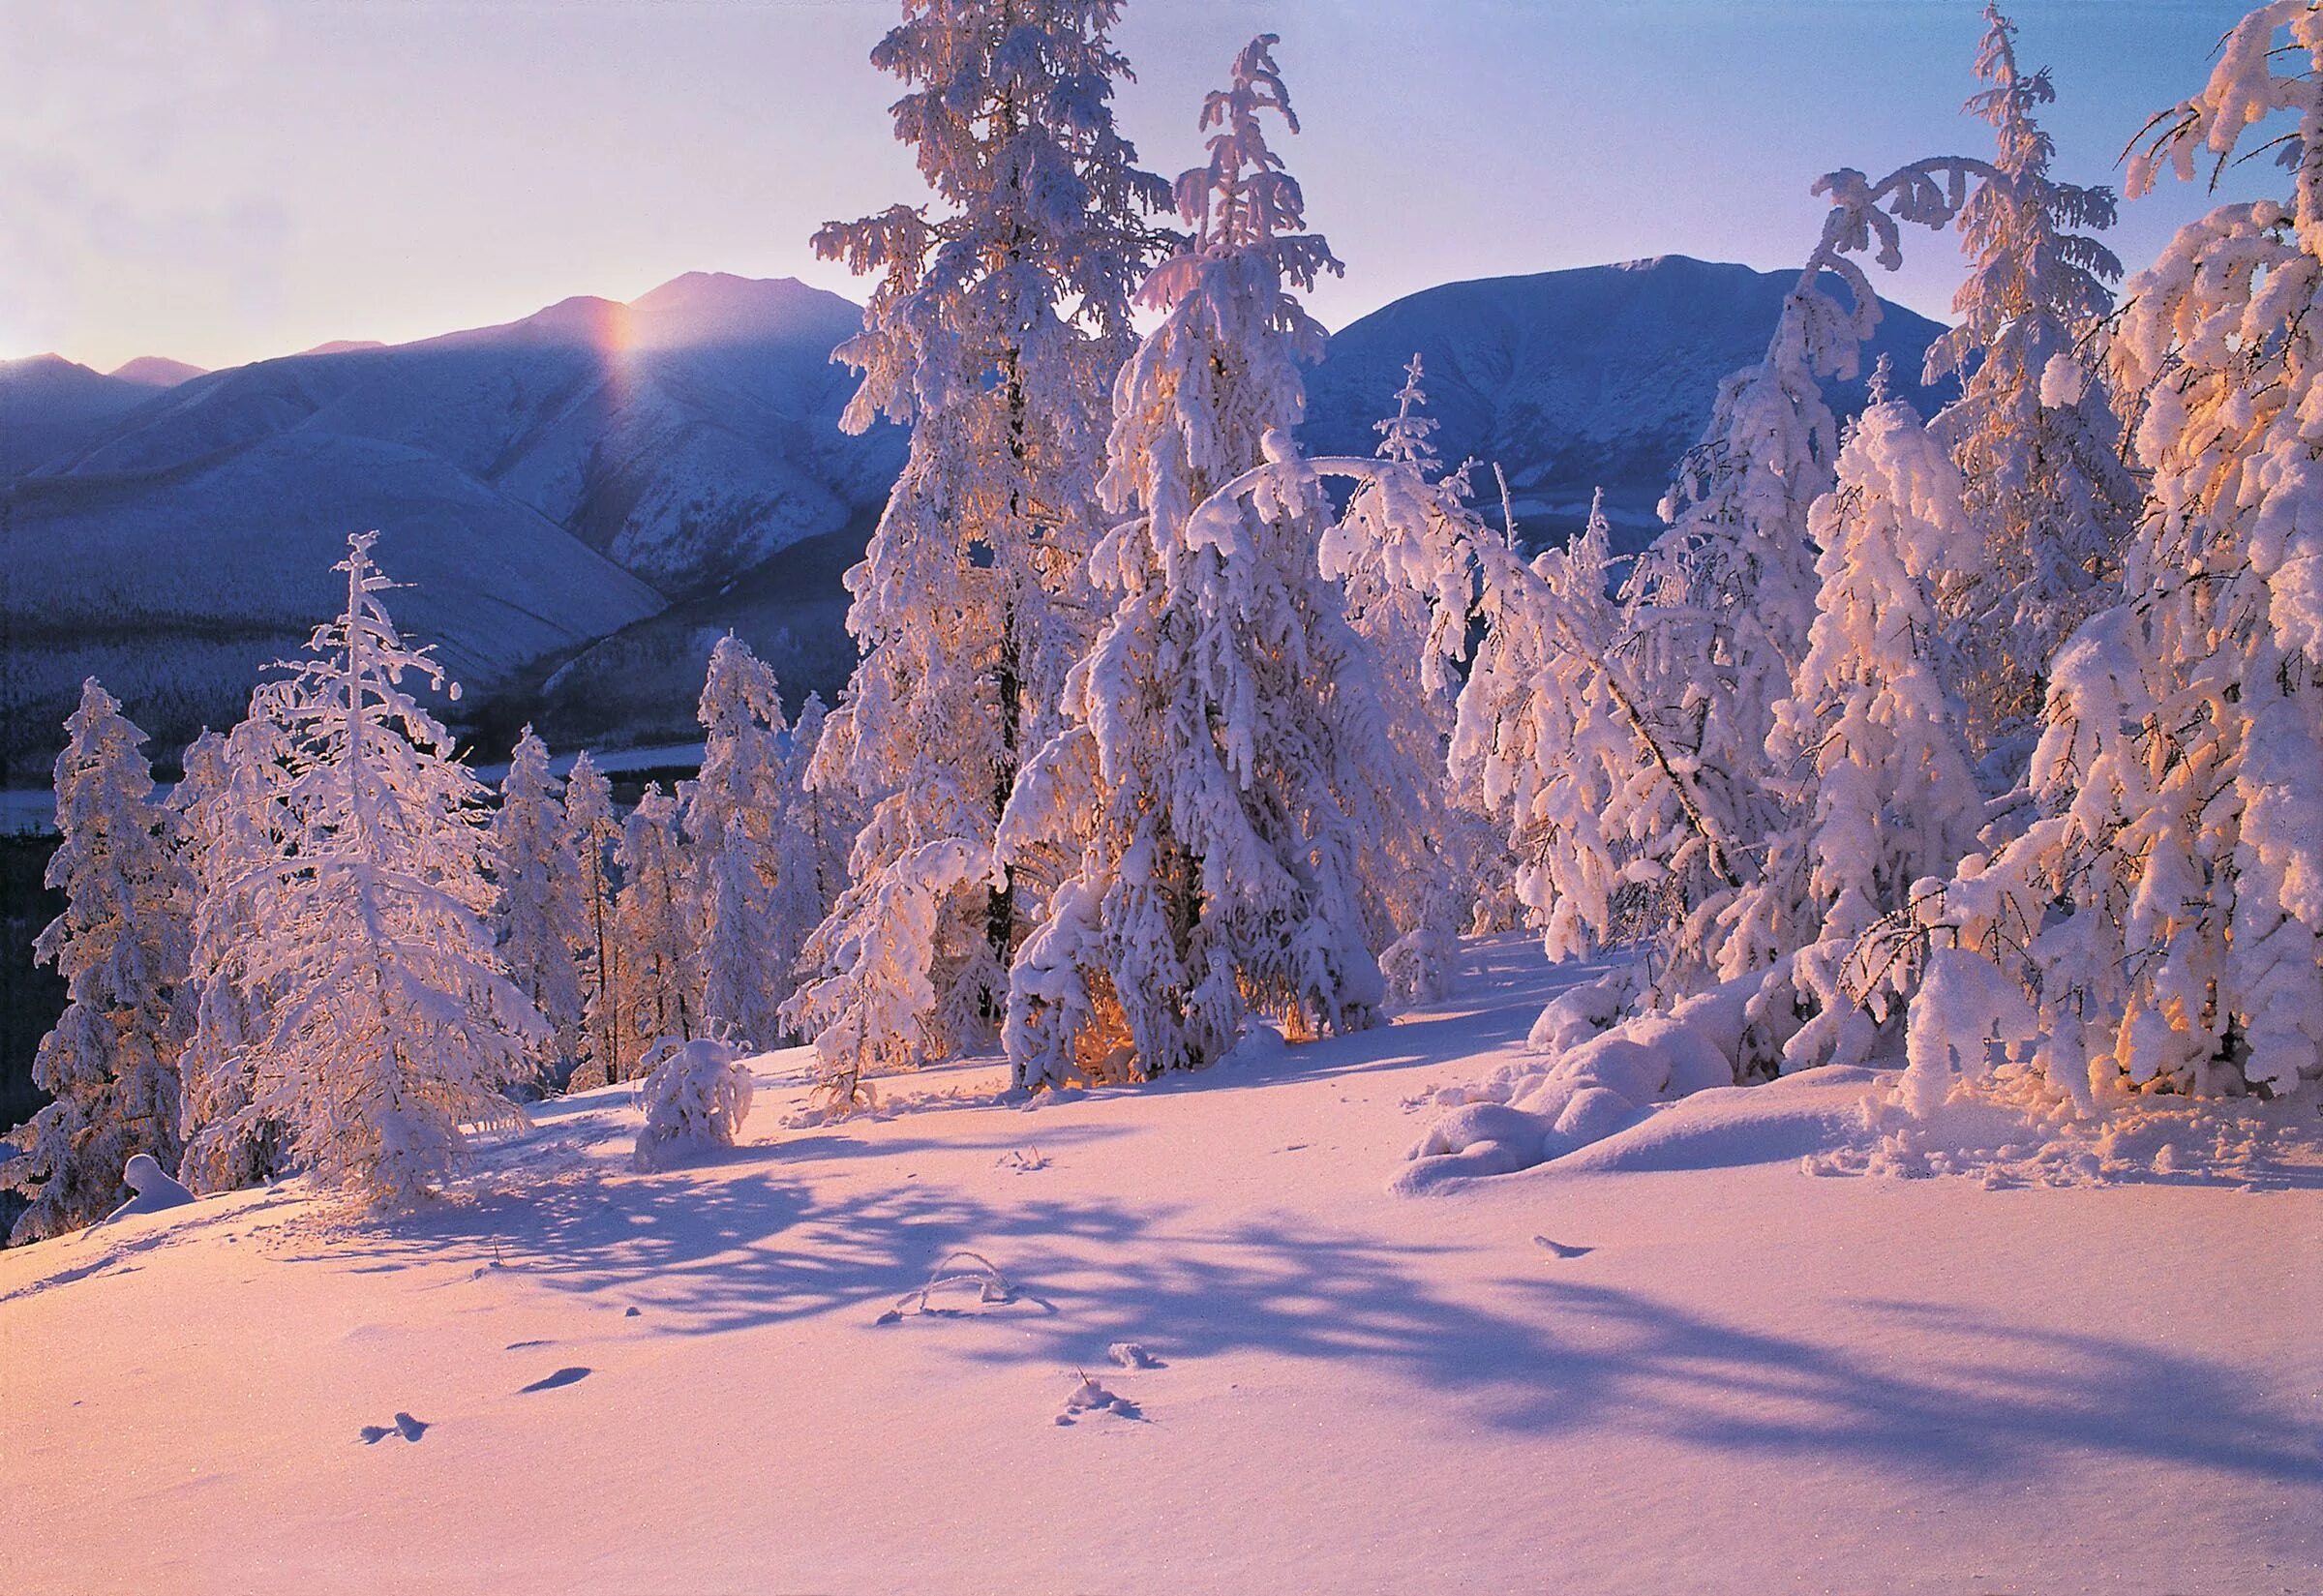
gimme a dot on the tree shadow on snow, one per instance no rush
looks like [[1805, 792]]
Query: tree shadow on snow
[[1977, 1398]]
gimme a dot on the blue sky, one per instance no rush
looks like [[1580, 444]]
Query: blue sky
[[221, 180]]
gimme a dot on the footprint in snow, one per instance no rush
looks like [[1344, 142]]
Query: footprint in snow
[[406, 1426], [572, 1376], [1560, 1249]]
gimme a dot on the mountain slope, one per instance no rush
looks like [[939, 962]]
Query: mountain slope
[[49, 405], [546, 483], [1597, 377]]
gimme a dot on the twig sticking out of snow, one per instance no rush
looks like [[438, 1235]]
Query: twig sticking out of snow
[[991, 1285]]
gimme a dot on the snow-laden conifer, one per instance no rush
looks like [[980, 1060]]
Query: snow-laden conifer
[[232, 823], [2165, 910], [819, 824], [1542, 742], [1869, 750], [734, 834], [595, 830], [2047, 492], [1226, 739], [1000, 315], [110, 1063], [1408, 596], [1721, 606], [542, 912], [390, 1021], [660, 950]]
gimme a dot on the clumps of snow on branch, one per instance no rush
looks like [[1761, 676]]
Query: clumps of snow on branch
[[695, 1096]]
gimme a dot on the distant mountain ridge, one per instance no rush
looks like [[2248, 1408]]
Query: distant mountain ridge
[[583, 500], [542, 484], [1594, 376]]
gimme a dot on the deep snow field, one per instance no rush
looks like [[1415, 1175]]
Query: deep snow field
[[1678, 1360]]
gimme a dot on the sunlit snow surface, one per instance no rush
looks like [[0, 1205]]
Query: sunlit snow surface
[[1687, 1363]]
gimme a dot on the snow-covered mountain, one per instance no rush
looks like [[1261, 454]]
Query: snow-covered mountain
[[1597, 377], [541, 485], [583, 500], [49, 404]]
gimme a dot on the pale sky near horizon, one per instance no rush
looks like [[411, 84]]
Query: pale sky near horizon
[[219, 181]]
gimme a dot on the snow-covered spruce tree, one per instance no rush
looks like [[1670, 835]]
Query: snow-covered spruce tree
[[391, 1022], [121, 945], [734, 837], [230, 825], [2165, 911], [1226, 735], [595, 830], [1544, 741], [660, 950], [999, 319], [1720, 608], [542, 912], [819, 824], [1408, 595], [2033, 431], [1869, 749]]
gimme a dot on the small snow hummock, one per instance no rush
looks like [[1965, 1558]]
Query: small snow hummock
[[695, 1098], [155, 1189]]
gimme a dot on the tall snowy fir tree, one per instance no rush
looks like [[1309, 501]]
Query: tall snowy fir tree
[[1411, 606], [819, 825], [1543, 740], [391, 1023], [999, 318], [1869, 749], [122, 947], [232, 819], [1226, 736], [2033, 430], [2163, 912], [595, 830], [733, 835], [659, 940], [542, 912]]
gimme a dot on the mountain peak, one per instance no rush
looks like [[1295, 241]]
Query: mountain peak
[[152, 371], [719, 306]]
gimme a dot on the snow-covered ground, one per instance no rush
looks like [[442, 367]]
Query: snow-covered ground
[[1678, 1363]]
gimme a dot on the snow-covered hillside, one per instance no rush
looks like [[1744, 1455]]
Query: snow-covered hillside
[[543, 483], [1599, 376], [1695, 1368]]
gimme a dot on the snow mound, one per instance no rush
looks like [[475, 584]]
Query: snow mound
[[1732, 1127], [1601, 1076], [695, 1100]]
